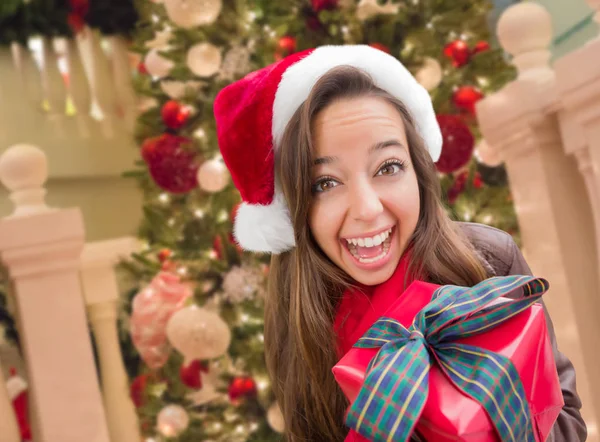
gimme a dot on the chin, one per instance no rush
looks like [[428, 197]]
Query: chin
[[374, 278]]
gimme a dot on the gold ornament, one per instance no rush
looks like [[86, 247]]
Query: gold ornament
[[192, 13], [204, 59]]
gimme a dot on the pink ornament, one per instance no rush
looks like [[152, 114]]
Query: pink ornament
[[152, 308]]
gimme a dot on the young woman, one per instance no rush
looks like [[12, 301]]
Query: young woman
[[333, 153]]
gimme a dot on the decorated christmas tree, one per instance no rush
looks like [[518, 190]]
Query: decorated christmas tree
[[196, 315]]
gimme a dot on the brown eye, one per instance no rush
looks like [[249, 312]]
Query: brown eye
[[390, 168], [324, 185]]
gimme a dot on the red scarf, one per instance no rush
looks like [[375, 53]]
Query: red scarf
[[359, 308]]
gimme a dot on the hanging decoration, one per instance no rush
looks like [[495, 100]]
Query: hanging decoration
[[465, 98], [204, 59], [157, 65], [236, 62], [430, 74], [191, 374], [213, 176], [242, 283], [458, 51], [458, 143], [381, 47], [458, 187], [370, 8], [174, 115], [285, 46], [172, 165], [275, 418], [77, 14], [242, 387], [152, 308], [172, 420], [137, 390], [189, 14], [198, 333], [324, 5], [18, 393]]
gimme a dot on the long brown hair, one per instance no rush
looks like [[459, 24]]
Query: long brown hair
[[305, 286]]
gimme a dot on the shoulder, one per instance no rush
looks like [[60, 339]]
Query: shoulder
[[495, 247]]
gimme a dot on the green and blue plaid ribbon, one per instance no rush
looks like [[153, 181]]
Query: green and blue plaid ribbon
[[393, 395]]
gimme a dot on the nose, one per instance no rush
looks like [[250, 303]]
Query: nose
[[365, 204]]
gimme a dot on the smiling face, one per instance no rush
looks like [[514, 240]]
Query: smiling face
[[365, 203]]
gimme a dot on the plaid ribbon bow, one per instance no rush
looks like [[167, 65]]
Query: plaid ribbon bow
[[393, 395]]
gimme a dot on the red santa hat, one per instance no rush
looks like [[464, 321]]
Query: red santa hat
[[252, 115]]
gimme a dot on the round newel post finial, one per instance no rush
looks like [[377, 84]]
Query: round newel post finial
[[24, 171], [525, 31]]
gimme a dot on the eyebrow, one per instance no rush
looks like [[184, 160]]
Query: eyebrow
[[375, 147]]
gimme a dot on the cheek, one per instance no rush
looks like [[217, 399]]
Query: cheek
[[404, 203], [325, 221]]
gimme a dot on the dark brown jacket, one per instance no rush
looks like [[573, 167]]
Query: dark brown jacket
[[502, 257]]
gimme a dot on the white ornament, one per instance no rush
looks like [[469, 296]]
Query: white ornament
[[369, 8], [172, 420], [275, 418], [430, 75], [177, 89], [198, 333], [242, 283], [236, 61], [204, 59], [213, 176], [192, 13], [156, 65], [487, 155], [161, 39]]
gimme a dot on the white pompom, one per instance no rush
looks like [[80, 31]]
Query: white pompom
[[156, 65], [192, 13], [213, 176], [172, 420], [198, 333], [275, 418], [204, 59]]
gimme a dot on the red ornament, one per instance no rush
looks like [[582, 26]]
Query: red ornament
[[381, 47], [137, 390], [481, 46], [465, 98], [164, 255], [457, 187], [458, 51], [458, 143], [242, 387], [477, 181], [141, 68], [172, 167], [321, 5], [218, 247], [190, 374], [174, 115], [287, 44]]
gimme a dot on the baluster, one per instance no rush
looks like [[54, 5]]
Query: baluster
[[31, 81], [98, 75], [9, 428], [41, 249], [122, 80], [78, 87], [101, 295], [521, 122], [52, 82]]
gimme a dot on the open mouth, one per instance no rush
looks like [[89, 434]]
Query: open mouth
[[371, 249]]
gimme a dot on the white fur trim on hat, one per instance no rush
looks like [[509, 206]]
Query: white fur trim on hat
[[387, 73], [265, 228]]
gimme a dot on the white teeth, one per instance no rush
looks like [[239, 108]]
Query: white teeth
[[372, 241], [378, 239]]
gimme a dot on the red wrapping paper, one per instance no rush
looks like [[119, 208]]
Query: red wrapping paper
[[449, 414]]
